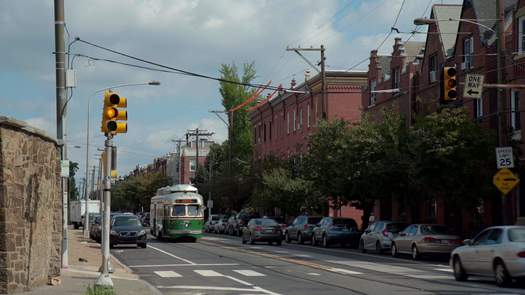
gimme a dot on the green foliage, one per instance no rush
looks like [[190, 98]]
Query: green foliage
[[100, 290], [73, 189], [135, 192]]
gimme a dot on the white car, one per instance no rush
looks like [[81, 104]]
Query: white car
[[497, 251]]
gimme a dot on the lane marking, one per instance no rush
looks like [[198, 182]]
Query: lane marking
[[281, 252], [344, 271], [179, 265], [249, 273], [444, 269], [302, 255], [430, 277], [313, 274], [208, 273], [255, 247], [257, 288], [239, 281], [167, 274], [377, 267], [212, 288], [169, 254]]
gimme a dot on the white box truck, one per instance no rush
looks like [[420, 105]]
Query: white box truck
[[78, 208]]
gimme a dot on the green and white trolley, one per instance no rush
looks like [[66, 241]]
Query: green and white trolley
[[177, 212]]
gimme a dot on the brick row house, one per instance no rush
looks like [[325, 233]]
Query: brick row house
[[282, 125], [471, 48]]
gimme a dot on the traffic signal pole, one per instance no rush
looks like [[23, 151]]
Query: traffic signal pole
[[105, 277]]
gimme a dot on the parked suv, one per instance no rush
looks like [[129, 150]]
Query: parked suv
[[379, 235], [127, 229], [237, 222], [332, 230], [301, 229]]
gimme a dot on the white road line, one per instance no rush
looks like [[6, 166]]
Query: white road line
[[281, 252], [256, 288], [344, 271], [444, 269], [178, 265], [167, 274], [430, 277], [378, 267], [208, 273], [302, 255], [249, 273], [239, 281], [255, 247], [212, 288], [313, 274], [169, 254]]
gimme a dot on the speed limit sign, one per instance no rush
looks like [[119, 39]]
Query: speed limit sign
[[504, 157]]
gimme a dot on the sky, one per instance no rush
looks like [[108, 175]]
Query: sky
[[195, 35]]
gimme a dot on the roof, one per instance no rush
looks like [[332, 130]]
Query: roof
[[412, 50], [384, 62], [485, 11], [177, 188], [443, 13]]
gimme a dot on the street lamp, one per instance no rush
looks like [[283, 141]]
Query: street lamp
[[430, 21]]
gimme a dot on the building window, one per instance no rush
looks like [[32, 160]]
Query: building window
[[521, 34], [288, 122], [468, 50], [308, 115], [395, 78], [300, 118], [373, 95], [193, 165], [478, 108], [516, 115], [432, 68], [294, 120]]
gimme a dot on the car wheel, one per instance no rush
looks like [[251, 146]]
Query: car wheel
[[459, 271], [287, 238], [362, 246], [501, 274], [415, 253], [300, 238], [325, 242], [379, 250], [394, 250], [279, 243]]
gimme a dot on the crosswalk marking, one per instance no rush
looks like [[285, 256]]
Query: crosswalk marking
[[249, 273], [444, 269], [313, 274], [344, 271], [167, 274], [208, 273]]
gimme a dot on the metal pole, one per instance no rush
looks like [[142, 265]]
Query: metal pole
[[86, 219], [61, 115], [210, 164], [196, 151], [323, 85], [502, 122], [105, 278]]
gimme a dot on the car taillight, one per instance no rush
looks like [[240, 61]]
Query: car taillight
[[258, 228], [521, 254], [430, 240]]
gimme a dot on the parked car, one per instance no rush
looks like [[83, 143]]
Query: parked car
[[262, 230], [94, 228], [301, 229], [237, 222], [210, 223], [221, 225], [332, 230], [127, 229], [281, 222], [379, 235], [420, 239], [497, 251]]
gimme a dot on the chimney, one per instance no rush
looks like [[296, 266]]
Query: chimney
[[306, 75], [293, 83], [399, 46]]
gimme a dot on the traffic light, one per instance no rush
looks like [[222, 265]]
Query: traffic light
[[449, 92], [113, 113]]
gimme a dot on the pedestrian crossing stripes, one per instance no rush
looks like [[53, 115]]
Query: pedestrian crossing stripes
[[249, 273], [167, 274], [208, 273]]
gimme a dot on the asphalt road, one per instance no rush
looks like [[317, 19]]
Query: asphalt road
[[222, 265]]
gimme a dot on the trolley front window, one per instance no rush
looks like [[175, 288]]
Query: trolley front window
[[193, 210], [179, 210]]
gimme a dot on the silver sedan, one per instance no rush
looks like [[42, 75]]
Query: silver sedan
[[497, 251]]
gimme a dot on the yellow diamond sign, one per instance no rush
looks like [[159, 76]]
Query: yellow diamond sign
[[505, 180]]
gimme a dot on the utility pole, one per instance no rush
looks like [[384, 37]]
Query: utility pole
[[210, 165], [60, 69], [322, 72], [178, 142], [197, 133], [501, 92]]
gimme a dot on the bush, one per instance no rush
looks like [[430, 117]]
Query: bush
[[100, 290]]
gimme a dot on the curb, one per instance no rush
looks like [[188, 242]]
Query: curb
[[150, 286]]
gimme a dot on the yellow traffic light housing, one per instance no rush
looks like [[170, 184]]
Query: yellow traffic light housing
[[112, 114], [449, 92]]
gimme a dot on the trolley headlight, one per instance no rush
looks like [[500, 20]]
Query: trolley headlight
[[142, 232]]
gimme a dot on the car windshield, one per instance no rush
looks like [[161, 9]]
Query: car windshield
[[265, 222], [314, 220], [126, 221], [345, 222], [435, 230], [178, 210], [517, 234], [193, 210], [395, 227]]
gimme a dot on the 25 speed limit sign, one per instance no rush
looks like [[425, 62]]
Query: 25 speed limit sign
[[504, 157]]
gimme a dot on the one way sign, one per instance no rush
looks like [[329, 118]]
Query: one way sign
[[473, 86]]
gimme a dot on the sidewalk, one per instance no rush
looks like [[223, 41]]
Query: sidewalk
[[84, 262]]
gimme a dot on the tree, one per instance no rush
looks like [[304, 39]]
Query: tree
[[135, 192], [73, 189]]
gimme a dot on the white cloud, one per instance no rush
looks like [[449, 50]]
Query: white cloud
[[43, 124]]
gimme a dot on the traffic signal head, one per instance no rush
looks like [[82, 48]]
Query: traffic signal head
[[112, 114], [449, 92]]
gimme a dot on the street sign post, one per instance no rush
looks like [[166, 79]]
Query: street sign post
[[504, 157], [209, 204], [64, 168], [473, 87], [505, 180]]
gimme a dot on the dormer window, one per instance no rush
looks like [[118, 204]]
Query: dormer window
[[395, 78]]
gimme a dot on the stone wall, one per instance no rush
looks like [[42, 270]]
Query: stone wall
[[30, 207]]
